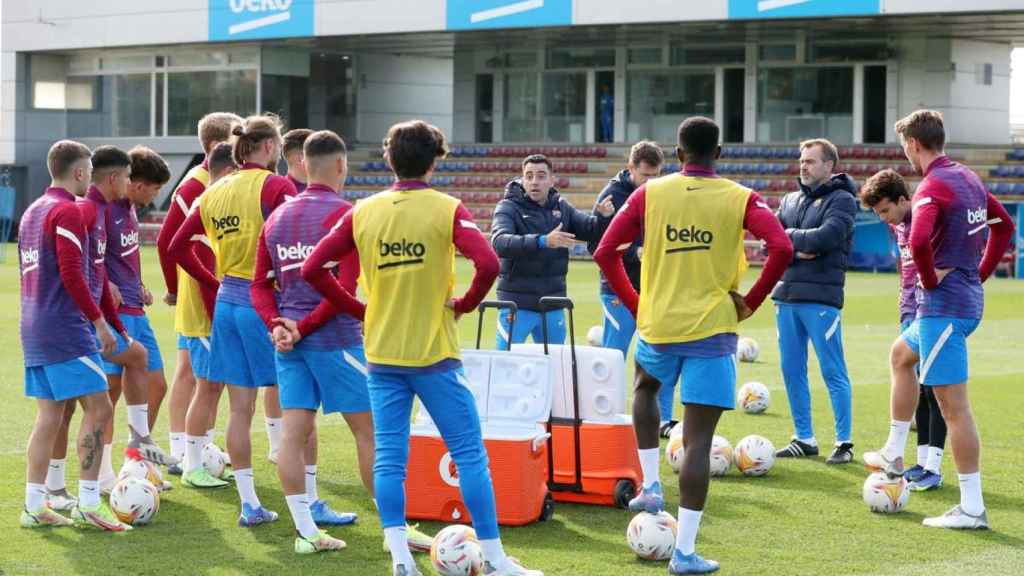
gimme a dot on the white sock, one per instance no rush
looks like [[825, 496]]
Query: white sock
[[298, 505], [55, 476], [311, 483], [922, 455], [971, 500], [273, 432], [398, 543], [210, 436], [246, 484], [194, 452], [650, 459], [897, 442], [138, 419], [106, 462], [689, 524], [934, 460], [177, 444], [88, 493], [35, 496], [812, 441], [494, 553]]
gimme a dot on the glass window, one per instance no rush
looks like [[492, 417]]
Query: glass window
[[702, 55], [288, 97], [223, 57], [120, 105], [135, 62], [650, 55], [514, 60], [795, 104], [332, 94], [565, 107], [520, 111], [191, 95], [581, 58], [848, 52], [657, 102], [777, 52], [48, 95]]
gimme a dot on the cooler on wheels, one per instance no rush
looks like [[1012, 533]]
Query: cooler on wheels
[[513, 398], [592, 450]]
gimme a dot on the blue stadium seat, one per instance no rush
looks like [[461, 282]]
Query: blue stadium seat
[[1018, 189], [1004, 189], [1018, 171]]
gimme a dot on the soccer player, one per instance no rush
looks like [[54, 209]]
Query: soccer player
[[951, 210], [645, 162], [688, 311], [406, 239], [190, 320], [293, 154], [62, 363], [886, 193], [532, 230], [231, 214], [320, 359]]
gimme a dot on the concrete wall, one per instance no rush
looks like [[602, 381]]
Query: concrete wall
[[979, 113], [393, 88], [464, 104]]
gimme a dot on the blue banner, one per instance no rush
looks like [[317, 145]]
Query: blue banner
[[757, 9], [479, 14], [252, 19]]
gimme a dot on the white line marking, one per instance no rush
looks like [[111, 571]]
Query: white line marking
[[70, 236], [766, 5], [130, 250], [352, 361], [259, 23], [832, 329], [292, 266], [611, 319], [978, 229], [181, 203], [92, 366], [30, 268], [934, 352], [922, 202], [508, 10]]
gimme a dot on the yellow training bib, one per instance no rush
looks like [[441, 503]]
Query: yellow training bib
[[407, 259], [693, 256], [233, 217], [189, 313]]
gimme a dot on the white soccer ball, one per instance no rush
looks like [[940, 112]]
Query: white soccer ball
[[595, 336], [886, 495], [753, 397], [721, 456], [456, 552], [747, 349], [754, 455], [652, 536], [142, 470], [674, 448], [134, 501], [214, 460]]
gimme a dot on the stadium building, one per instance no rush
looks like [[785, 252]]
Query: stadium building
[[577, 79]]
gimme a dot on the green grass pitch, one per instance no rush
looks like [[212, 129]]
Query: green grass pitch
[[803, 518]]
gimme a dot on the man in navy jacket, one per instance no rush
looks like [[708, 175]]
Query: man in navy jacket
[[819, 221], [532, 231]]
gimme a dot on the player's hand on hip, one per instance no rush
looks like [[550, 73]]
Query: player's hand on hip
[[108, 344], [452, 304], [558, 239], [742, 310], [116, 293], [147, 297], [170, 299], [606, 208]]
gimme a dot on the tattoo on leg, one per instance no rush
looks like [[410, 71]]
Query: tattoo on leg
[[93, 444]]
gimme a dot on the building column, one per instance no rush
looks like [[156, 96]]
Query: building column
[[720, 96], [858, 104], [750, 100], [589, 134], [499, 106]]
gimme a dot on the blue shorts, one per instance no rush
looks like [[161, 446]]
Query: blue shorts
[[334, 379], [73, 378], [241, 353], [911, 335], [198, 348], [139, 330], [708, 381], [943, 345]]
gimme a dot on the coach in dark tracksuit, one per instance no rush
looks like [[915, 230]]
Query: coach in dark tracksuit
[[819, 221], [532, 230]]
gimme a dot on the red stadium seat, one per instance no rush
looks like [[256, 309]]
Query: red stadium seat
[[600, 152], [580, 168], [563, 183]]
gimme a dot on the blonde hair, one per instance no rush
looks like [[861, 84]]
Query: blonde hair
[[216, 127], [251, 133]]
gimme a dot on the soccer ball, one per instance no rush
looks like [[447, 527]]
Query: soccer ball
[[214, 460], [885, 495], [652, 536], [754, 455], [134, 501], [747, 349], [721, 456], [595, 336], [674, 448], [142, 470], [456, 552], [753, 397]]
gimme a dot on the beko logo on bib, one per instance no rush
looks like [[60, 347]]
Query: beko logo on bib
[[130, 239], [979, 216], [695, 238], [297, 251], [410, 252]]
